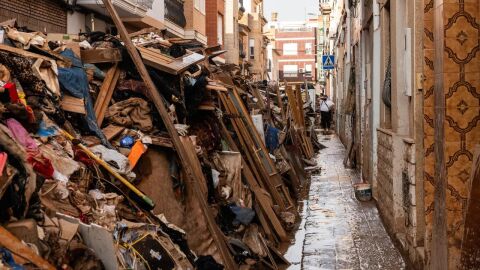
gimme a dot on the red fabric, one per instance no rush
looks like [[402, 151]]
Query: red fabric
[[41, 164], [12, 92], [82, 157]]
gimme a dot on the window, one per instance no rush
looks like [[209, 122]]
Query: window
[[242, 52], [308, 48], [251, 44], [290, 71], [200, 5], [290, 49], [308, 70], [220, 29]]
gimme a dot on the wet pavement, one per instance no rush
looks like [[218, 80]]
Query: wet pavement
[[337, 231]]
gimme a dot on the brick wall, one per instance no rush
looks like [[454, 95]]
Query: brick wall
[[38, 15], [213, 8], [301, 38]]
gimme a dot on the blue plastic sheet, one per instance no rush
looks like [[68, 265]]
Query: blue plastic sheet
[[7, 259], [272, 138]]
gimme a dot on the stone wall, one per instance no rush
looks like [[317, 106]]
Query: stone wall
[[413, 246], [384, 191]]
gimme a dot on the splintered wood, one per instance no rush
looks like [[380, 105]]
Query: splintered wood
[[299, 134], [256, 152], [106, 92]]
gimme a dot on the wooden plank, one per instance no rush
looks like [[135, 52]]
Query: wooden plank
[[12, 243], [23, 53], [470, 258], [112, 131], [262, 149], [256, 93], [51, 54], [162, 141], [144, 31], [96, 56], [256, 189], [259, 156], [175, 66], [179, 147], [106, 92], [216, 88], [73, 104]]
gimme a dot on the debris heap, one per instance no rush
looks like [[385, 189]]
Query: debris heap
[[139, 152]]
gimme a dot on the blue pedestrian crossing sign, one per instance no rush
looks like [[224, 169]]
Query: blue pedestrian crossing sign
[[328, 61]]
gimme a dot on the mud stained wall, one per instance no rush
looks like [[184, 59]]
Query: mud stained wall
[[38, 15], [458, 52]]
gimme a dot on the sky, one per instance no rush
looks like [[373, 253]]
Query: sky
[[290, 10]]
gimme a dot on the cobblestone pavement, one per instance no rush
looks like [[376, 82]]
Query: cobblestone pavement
[[337, 231]]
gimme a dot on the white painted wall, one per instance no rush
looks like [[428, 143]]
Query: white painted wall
[[376, 90], [75, 22], [158, 10]]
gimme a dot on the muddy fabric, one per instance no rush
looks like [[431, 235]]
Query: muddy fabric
[[132, 113], [21, 135], [61, 162], [232, 177], [40, 163], [48, 72], [252, 240], [200, 238], [154, 171], [19, 192], [272, 138], [26, 39], [21, 69], [74, 80]]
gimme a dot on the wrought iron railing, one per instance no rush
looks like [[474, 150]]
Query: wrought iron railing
[[174, 12]]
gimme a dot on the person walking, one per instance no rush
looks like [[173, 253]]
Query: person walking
[[326, 111]]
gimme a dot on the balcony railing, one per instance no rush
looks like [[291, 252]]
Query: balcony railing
[[174, 12]]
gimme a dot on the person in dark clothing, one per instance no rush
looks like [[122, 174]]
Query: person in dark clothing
[[326, 111]]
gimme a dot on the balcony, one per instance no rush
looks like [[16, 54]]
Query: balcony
[[124, 8], [174, 12]]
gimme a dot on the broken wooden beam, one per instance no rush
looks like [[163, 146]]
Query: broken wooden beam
[[106, 92], [73, 104], [13, 244]]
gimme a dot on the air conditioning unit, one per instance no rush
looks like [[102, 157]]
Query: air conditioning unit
[[301, 70]]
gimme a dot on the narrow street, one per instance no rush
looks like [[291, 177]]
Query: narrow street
[[337, 231]]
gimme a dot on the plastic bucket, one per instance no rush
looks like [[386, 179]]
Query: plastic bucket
[[363, 192]]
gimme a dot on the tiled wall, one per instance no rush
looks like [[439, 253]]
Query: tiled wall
[[461, 88]]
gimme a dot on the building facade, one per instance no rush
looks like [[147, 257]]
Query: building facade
[[407, 93], [296, 43], [323, 44], [253, 41], [215, 22], [179, 19], [231, 43]]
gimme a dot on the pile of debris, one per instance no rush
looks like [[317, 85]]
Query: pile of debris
[[141, 153]]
